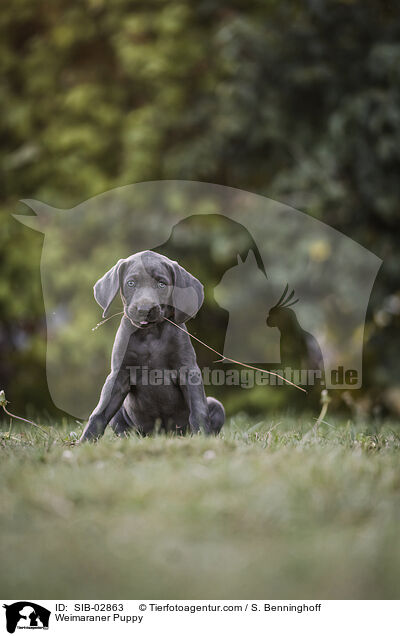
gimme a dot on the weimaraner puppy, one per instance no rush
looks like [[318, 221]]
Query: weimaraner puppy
[[146, 346]]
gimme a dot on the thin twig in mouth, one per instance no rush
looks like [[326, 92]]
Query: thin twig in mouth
[[141, 325], [243, 364], [106, 319], [119, 313]]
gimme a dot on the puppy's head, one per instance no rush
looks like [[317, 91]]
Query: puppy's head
[[152, 287]]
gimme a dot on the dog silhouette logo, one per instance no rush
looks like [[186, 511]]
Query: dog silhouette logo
[[243, 247], [26, 615]]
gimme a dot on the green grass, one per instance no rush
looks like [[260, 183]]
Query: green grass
[[268, 510]]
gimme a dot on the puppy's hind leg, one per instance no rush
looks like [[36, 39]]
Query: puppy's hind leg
[[121, 423], [217, 415]]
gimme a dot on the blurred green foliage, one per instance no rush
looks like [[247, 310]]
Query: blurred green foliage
[[299, 101]]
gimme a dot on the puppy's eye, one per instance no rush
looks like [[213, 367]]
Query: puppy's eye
[[131, 283], [161, 284]]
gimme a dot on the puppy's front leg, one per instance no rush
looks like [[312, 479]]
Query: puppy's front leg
[[113, 394], [193, 390], [115, 389]]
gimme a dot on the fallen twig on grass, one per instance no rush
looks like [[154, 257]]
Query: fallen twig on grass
[[4, 402], [325, 399]]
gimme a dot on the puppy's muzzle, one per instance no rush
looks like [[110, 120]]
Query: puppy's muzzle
[[145, 314]]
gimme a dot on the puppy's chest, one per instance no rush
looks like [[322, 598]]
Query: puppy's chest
[[149, 354]]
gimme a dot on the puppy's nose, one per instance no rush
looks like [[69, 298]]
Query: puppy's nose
[[147, 311], [143, 310]]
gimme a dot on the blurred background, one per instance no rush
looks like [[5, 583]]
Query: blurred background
[[298, 101]]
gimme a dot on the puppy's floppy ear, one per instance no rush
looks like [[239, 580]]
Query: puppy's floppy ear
[[107, 286], [187, 294]]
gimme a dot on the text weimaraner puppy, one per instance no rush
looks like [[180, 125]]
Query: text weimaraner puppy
[[152, 288]]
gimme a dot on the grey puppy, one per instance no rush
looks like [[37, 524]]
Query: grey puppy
[[152, 288]]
